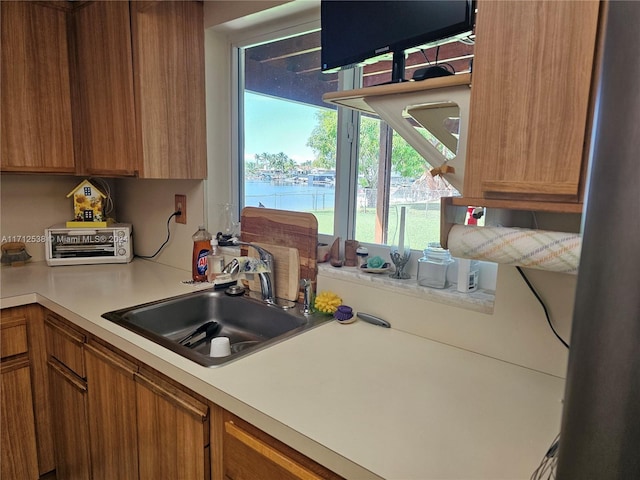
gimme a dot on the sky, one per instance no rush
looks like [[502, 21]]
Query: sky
[[274, 126]]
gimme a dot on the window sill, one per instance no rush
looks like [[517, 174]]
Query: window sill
[[479, 301]]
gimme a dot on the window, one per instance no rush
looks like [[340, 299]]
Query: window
[[288, 155], [352, 171]]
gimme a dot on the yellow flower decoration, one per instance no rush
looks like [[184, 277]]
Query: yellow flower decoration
[[327, 302]]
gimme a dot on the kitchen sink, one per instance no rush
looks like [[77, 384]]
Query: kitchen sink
[[249, 323]]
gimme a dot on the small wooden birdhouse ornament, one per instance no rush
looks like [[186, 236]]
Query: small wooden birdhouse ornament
[[87, 206]]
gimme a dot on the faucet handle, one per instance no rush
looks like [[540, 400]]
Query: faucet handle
[[308, 296]]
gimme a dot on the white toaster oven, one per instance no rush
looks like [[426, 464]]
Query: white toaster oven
[[84, 246]]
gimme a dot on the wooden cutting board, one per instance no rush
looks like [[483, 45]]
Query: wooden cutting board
[[287, 229], [287, 267]]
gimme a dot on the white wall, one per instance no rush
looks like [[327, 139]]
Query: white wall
[[219, 148], [147, 204], [517, 331]]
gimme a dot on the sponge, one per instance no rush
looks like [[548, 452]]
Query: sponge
[[327, 302]]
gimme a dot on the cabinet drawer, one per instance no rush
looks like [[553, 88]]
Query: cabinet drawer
[[65, 344], [13, 337], [250, 453]]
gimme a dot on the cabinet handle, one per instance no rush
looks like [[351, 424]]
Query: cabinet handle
[[568, 189], [15, 363], [67, 374], [177, 398], [68, 333], [270, 453], [111, 358]]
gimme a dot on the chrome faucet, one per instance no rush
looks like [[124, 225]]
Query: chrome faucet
[[266, 278]]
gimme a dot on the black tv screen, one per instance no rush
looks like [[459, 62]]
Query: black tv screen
[[355, 31]]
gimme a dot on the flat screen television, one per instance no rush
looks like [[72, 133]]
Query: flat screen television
[[358, 32]]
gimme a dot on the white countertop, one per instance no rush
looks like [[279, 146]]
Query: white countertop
[[365, 401]]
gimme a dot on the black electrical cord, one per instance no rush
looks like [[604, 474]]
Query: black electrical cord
[[451, 69], [424, 54], [544, 307], [174, 214]]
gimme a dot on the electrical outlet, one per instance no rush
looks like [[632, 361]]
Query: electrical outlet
[[181, 206]]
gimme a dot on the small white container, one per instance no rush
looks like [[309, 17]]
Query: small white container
[[363, 256], [220, 347], [467, 275], [432, 268]]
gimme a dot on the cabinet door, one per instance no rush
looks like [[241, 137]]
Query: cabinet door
[[173, 431], [71, 430], [530, 100], [104, 114], [65, 344], [168, 39], [111, 401], [249, 453], [22, 336], [40, 385], [19, 455], [36, 99]]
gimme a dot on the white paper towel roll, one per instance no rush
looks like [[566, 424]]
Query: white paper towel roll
[[541, 249]]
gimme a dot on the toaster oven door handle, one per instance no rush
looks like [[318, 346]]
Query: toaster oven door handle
[[75, 232]]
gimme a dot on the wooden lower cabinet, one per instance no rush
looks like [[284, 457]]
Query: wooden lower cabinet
[[19, 454], [111, 414], [27, 443], [248, 453], [69, 402], [115, 419], [173, 431], [68, 398]]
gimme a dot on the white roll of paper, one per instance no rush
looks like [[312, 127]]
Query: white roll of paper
[[540, 249]]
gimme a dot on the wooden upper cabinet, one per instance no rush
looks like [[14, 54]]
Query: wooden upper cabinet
[[104, 107], [104, 88], [168, 51], [531, 103], [35, 89]]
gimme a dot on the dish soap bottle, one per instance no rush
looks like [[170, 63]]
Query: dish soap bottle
[[201, 246]]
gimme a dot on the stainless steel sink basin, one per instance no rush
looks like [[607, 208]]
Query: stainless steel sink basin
[[249, 323]]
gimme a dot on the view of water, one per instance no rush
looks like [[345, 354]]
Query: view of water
[[289, 196]]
